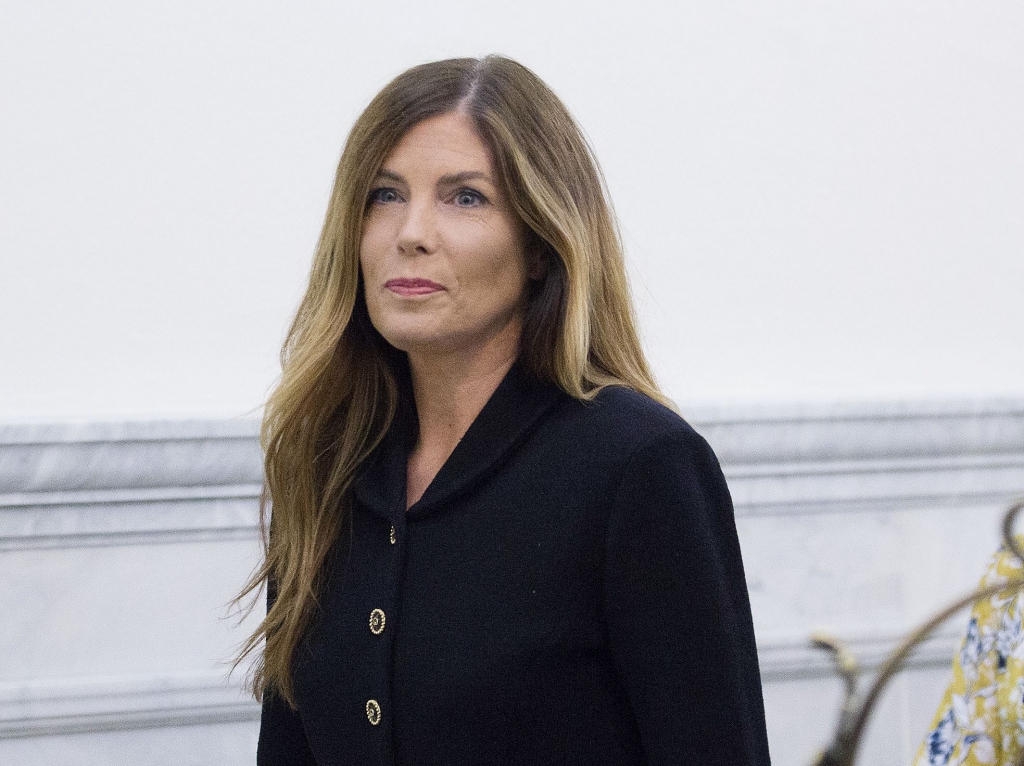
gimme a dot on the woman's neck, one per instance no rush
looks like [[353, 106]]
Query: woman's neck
[[450, 390]]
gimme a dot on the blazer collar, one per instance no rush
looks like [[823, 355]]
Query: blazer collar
[[511, 413]]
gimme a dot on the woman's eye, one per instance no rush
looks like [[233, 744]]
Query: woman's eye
[[469, 198], [383, 196]]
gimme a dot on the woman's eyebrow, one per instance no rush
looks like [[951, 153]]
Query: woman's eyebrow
[[467, 175], [451, 179], [390, 175]]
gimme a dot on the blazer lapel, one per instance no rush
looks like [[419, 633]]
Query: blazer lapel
[[513, 410], [506, 420]]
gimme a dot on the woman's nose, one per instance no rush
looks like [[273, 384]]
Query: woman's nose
[[418, 234]]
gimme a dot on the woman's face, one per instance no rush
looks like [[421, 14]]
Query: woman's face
[[443, 264]]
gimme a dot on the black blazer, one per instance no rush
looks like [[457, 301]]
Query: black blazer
[[568, 590]]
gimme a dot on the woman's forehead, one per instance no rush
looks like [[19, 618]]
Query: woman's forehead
[[447, 144]]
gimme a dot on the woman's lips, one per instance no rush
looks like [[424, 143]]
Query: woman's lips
[[412, 286]]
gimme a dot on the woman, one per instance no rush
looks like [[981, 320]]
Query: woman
[[492, 542], [981, 717]]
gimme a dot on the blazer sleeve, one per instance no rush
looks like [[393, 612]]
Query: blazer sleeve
[[282, 740], [678, 615]]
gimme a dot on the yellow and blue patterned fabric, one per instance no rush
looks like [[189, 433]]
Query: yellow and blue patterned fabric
[[981, 717]]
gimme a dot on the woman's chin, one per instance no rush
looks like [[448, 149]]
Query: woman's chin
[[412, 342], [425, 347]]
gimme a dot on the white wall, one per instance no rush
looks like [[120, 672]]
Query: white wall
[[820, 201]]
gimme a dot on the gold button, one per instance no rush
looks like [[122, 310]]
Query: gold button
[[377, 621], [392, 534], [372, 712]]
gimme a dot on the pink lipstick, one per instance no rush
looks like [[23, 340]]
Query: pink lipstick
[[412, 286]]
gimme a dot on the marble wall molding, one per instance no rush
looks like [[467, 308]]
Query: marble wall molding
[[796, 658], [847, 458], [69, 457], [66, 706], [856, 431], [129, 517], [873, 485], [162, 481], [128, 483]]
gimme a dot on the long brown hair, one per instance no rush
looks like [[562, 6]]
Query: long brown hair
[[338, 390]]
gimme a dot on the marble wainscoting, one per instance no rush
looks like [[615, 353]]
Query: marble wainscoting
[[863, 520], [122, 543]]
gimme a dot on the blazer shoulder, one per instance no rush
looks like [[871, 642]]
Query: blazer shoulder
[[625, 420]]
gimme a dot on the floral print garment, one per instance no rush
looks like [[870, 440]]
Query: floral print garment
[[981, 718]]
